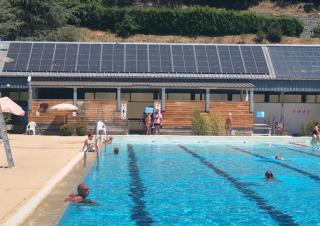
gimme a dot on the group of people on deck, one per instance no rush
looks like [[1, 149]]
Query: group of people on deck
[[153, 120]]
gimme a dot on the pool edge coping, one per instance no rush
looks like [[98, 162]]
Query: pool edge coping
[[27, 209]]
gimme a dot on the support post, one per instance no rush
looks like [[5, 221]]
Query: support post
[[207, 103], [5, 140], [75, 96], [163, 99], [251, 103], [30, 96], [118, 99], [247, 96]]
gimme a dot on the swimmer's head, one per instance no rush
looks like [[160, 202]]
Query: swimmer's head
[[268, 174], [115, 150], [83, 190], [90, 135]]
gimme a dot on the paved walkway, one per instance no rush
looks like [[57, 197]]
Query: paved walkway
[[37, 159]]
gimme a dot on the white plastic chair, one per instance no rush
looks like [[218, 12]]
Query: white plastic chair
[[31, 127], [101, 128]]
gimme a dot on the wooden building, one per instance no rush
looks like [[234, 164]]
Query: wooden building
[[114, 82]]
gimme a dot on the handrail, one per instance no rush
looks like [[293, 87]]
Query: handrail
[[98, 138]]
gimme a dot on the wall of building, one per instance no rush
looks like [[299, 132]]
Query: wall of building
[[294, 114]]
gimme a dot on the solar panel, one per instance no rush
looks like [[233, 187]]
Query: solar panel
[[23, 57], [189, 59], [297, 61], [248, 60], [154, 58], [59, 57], [236, 60], [118, 58], [131, 58], [83, 58], [259, 58], [13, 53], [225, 60], [202, 59], [143, 58], [107, 58], [47, 57], [166, 58], [213, 59], [95, 58], [178, 59]]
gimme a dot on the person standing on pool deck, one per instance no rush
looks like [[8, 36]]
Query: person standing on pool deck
[[228, 124], [157, 121], [83, 192]]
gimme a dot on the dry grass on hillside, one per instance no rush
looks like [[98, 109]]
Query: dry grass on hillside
[[100, 36], [271, 8]]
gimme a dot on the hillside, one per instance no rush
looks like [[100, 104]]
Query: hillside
[[100, 36]]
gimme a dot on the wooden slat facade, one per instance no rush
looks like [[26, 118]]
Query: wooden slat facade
[[178, 114], [90, 111]]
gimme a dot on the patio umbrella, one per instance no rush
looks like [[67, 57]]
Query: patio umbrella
[[64, 107], [7, 105]]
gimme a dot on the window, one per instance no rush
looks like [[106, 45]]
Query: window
[[125, 96], [106, 96], [141, 96], [24, 96], [274, 98], [89, 95], [179, 96], [219, 97], [258, 98], [236, 97], [291, 98], [14, 95], [311, 98]]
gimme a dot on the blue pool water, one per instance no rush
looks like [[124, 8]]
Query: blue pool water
[[202, 184]]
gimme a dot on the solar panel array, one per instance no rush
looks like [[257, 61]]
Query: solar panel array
[[295, 61], [136, 58]]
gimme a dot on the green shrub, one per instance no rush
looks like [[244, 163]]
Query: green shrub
[[200, 123], [307, 127], [67, 130], [127, 26], [217, 124], [81, 129], [274, 33], [191, 21], [7, 118], [66, 34], [316, 32], [260, 36]]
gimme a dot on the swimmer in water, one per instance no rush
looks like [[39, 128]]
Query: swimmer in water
[[278, 157], [115, 150], [83, 192], [269, 175]]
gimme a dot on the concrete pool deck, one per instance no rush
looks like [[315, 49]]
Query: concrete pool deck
[[37, 160]]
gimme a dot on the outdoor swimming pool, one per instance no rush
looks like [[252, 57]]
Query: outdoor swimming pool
[[202, 183]]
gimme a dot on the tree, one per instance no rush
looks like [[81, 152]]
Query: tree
[[38, 16], [9, 24]]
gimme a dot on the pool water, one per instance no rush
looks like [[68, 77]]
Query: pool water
[[202, 184]]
